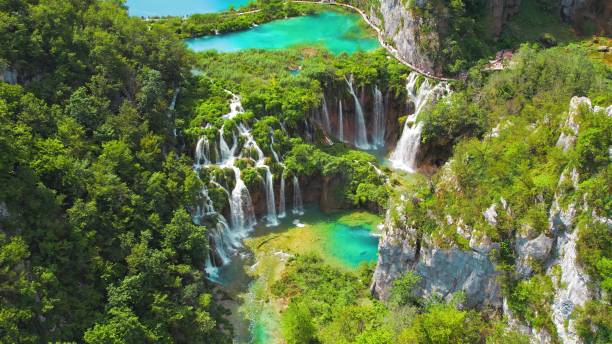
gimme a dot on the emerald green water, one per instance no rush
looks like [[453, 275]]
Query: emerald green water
[[344, 240], [351, 245], [335, 31]]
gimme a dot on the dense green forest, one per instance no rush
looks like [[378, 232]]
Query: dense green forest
[[97, 244], [97, 133]]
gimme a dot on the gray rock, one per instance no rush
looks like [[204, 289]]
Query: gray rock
[[568, 136], [443, 272], [529, 251], [490, 215], [448, 271], [403, 28], [397, 251], [483, 245]]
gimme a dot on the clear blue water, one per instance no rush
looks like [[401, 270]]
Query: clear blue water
[[352, 245], [150, 8], [338, 32]]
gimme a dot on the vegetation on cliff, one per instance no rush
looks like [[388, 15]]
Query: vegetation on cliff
[[507, 158]]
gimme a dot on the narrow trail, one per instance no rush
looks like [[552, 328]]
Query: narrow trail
[[381, 39]]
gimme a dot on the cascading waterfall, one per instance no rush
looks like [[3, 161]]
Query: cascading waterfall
[[340, 122], [379, 119], [325, 112], [270, 201], [361, 137], [405, 153], [225, 153], [241, 206], [281, 202], [235, 106], [202, 151], [298, 206], [225, 237], [251, 144]]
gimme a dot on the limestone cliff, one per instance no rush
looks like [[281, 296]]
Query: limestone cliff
[[466, 261], [419, 36], [588, 14]]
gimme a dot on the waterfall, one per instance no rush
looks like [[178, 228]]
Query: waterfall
[[298, 206], [405, 153], [174, 98], [235, 106], [379, 119], [251, 144], [202, 152], [270, 201], [274, 153], [226, 238], [241, 206], [340, 123], [361, 137], [223, 238], [325, 112], [225, 153], [281, 202]]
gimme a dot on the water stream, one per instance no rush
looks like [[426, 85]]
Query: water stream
[[379, 119], [361, 135], [405, 154]]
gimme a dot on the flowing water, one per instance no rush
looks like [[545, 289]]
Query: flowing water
[[335, 31], [325, 112], [154, 8], [405, 153], [361, 137], [379, 119], [340, 122], [298, 206]]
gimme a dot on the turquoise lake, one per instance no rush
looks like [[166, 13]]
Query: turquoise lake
[[151, 8], [337, 32]]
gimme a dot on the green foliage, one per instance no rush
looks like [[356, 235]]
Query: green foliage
[[595, 251], [593, 322], [297, 324], [96, 241], [531, 300], [444, 324], [403, 290]]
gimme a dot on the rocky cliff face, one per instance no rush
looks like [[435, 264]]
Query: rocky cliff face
[[418, 39], [447, 267], [407, 33], [596, 14], [444, 271]]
